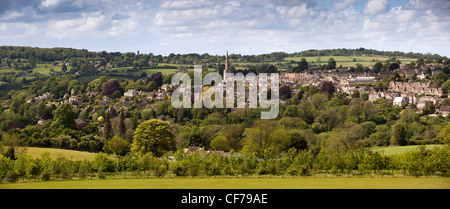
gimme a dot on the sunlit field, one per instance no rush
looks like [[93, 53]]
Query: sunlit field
[[243, 183]]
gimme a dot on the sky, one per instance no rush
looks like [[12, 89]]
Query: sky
[[240, 26]]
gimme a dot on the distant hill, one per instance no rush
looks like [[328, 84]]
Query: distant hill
[[54, 54], [367, 52]]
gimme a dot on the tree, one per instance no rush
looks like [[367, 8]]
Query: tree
[[285, 92], [233, 134], [398, 135], [291, 111], [393, 66], [64, 68], [258, 137], [65, 115], [420, 62], [409, 116], [356, 94], [265, 134], [444, 135], [429, 109], [297, 141], [143, 75], [412, 65], [111, 87], [152, 86], [107, 130], [356, 109], [118, 145], [331, 64], [147, 114], [153, 136], [385, 65], [328, 86], [446, 87], [219, 143], [302, 66], [6, 165], [377, 67], [122, 127], [346, 137], [157, 78]]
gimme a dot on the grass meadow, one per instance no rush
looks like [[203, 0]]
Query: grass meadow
[[36, 152], [45, 68], [345, 61], [241, 183], [400, 149]]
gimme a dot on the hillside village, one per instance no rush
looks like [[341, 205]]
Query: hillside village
[[371, 99], [417, 91]]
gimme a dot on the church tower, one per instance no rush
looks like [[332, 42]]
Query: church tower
[[225, 71]]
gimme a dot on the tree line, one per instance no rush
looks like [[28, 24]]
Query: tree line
[[327, 163], [35, 54], [368, 52]]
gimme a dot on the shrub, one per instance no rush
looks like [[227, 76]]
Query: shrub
[[12, 176]]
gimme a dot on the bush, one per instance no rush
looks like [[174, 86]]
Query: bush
[[45, 175], [12, 176], [160, 171], [419, 141]]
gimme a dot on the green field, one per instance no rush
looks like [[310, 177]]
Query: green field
[[243, 183], [120, 73], [345, 61], [36, 152], [42, 69], [400, 149]]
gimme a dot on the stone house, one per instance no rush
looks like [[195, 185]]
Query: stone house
[[132, 93], [399, 101]]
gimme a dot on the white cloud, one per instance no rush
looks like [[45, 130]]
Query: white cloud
[[89, 23], [242, 26], [9, 15], [374, 7], [49, 3], [18, 30], [343, 4], [185, 4]]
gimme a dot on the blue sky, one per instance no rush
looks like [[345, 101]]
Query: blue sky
[[241, 26]]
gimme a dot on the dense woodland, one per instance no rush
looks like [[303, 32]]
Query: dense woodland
[[318, 130]]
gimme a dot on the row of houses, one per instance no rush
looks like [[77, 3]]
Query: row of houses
[[419, 94], [415, 87], [39, 98]]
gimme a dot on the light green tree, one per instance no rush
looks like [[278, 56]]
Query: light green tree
[[118, 145], [153, 136]]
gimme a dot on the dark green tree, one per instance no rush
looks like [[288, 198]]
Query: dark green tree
[[398, 135], [122, 127], [107, 131], [64, 68], [65, 115], [331, 64]]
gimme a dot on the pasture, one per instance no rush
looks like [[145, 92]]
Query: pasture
[[44, 68], [345, 61], [400, 149], [242, 183], [36, 152]]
